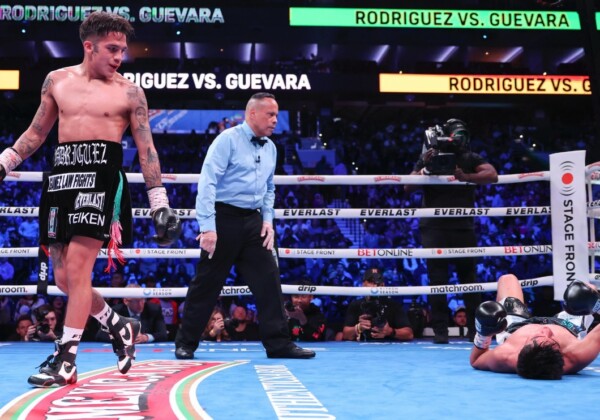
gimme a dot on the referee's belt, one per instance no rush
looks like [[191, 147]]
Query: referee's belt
[[233, 210]]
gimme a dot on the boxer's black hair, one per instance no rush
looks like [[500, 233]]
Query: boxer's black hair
[[102, 23], [540, 361]]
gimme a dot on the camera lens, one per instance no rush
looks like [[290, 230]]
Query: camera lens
[[231, 323], [44, 328]]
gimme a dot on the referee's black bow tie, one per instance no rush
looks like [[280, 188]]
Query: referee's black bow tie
[[258, 140]]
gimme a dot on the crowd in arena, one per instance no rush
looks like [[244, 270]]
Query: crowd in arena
[[390, 148]]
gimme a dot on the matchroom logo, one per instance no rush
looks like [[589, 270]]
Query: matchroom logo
[[567, 187], [152, 389]]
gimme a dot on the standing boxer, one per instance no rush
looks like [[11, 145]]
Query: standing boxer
[[535, 347], [235, 201], [85, 201]]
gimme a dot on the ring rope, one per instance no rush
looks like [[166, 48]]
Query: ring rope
[[138, 178], [592, 174], [365, 213], [180, 292], [338, 213], [356, 253]]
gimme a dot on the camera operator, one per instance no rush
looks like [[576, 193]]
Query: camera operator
[[306, 322], [448, 153], [376, 318], [46, 327], [216, 329]]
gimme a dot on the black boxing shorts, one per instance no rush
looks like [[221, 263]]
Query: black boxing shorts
[[85, 193], [516, 313], [546, 320]]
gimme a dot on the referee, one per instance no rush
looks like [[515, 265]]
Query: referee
[[234, 209]]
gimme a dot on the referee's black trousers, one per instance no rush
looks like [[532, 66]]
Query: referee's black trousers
[[238, 243]]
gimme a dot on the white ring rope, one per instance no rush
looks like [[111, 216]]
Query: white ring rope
[[592, 175], [338, 213], [364, 213], [137, 178], [180, 292]]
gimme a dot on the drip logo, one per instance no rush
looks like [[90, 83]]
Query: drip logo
[[567, 186]]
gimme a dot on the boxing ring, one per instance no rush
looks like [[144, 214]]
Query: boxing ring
[[346, 380]]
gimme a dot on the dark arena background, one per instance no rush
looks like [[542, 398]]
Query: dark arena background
[[358, 83]]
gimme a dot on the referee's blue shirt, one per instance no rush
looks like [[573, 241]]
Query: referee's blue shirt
[[236, 172]]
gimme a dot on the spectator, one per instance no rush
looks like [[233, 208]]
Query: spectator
[[460, 321], [149, 314], [340, 276], [29, 229], [58, 304], [117, 279], [7, 271], [376, 318], [46, 326], [22, 329], [305, 320], [242, 329], [215, 329], [170, 315]]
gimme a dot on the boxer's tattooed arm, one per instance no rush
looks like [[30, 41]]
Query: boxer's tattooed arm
[[26, 146], [151, 168], [37, 120], [140, 114], [142, 118], [41, 124], [149, 161], [47, 85]]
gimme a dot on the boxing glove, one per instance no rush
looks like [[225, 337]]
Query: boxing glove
[[490, 318], [581, 299], [167, 226]]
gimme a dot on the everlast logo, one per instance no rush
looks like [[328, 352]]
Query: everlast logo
[[43, 271], [311, 178], [308, 289], [387, 178]]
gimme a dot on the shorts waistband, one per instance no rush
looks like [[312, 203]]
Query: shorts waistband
[[88, 153], [237, 211]]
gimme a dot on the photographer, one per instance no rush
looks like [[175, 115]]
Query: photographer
[[46, 327], [376, 318], [306, 322], [448, 153], [216, 329]]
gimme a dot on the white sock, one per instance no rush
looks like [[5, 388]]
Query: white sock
[[71, 334], [105, 315]]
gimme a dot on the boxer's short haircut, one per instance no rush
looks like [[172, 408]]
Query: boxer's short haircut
[[103, 23]]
